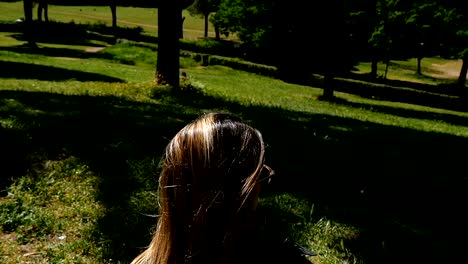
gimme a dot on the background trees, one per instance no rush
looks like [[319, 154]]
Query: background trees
[[326, 37], [455, 44], [299, 37], [204, 8]]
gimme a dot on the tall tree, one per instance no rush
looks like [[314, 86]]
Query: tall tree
[[113, 8], [204, 8], [169, 25], [362, 19], [462, 43], [455, 40], [183, 5], [424, 21], [299, 37], [167, 67], [380, 39]]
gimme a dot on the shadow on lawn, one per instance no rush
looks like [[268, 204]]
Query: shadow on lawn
[[403, 188], [56, 52], [19, 70], [447, 86], [405, 94], [409, 113]]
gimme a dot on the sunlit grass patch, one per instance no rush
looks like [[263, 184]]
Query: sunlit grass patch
[[131, 17], [251, 89], [298, 223], [49, 214], [434, 70], [112, 116], [6, 40], [80, 69]]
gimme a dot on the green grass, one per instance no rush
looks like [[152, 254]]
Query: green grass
[[128, 17], [82, 133], [434, 71], [51, 219], [238, 86]]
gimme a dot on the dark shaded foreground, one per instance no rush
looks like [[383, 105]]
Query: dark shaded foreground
[[404, 189], [19, 70]]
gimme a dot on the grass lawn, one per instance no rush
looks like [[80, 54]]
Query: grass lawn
[[434, 71], [129, 17], [358, 180]]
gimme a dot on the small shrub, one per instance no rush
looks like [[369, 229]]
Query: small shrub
[[211, 46]]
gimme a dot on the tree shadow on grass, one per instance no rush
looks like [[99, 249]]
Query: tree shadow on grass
[[19, 70], [456, 101], [409, 113], [447, 88], [55, 52], [403, 188], [66, 35], [118, 139], [54, 32], [403, 94]]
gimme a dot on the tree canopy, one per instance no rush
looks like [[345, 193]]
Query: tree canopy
[[324, 36]]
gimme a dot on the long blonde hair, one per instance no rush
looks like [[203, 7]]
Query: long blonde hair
[[209, 171]]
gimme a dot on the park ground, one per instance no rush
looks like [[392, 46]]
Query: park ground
[[375, 176]]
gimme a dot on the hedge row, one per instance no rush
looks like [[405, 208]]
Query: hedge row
[[235, 63]]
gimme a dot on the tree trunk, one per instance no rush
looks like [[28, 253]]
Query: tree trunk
[[328, 91], [374, 65], [386, 69], [206, 25], [39, 12], [181, 20], [28, 22], [42, 8], [46, 11], [463, 72], [167, 66], [217, 33], [374, 52], [387, 65], [113, 8], [419, 65]]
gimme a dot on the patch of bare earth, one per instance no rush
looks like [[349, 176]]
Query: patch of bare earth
[[94, 49], [447, 70]]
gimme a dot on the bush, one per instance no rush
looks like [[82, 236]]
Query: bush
[[234, 63], [211, 46]]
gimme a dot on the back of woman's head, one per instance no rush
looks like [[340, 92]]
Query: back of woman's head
[[206, 189]]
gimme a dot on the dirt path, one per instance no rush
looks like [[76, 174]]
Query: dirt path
[[450, 69], [94, 49]]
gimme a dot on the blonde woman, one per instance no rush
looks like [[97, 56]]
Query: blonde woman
[[208, 194]]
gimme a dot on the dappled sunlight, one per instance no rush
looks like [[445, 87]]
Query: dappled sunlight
[[373, 175]]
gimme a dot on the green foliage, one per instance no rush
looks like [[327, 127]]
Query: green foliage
[[211, 46], [203, 7], [248, 19]]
